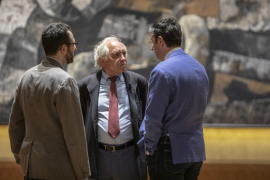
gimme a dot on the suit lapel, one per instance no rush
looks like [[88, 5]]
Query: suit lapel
[[93, 89], [131, 90]]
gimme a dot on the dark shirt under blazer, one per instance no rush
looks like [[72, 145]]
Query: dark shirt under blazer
[[177, 98], [137, 87]]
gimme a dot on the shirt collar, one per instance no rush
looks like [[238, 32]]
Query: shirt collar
[[174, 49], [56, 61], [106, 76]]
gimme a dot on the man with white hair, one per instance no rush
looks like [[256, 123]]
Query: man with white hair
[[113, 104]]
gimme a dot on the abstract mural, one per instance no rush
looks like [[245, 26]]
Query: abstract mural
[[229, 37]]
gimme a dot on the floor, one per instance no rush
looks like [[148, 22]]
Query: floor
[[232, 154], [9, 170]]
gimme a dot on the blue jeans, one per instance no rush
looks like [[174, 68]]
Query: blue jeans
[[160, 166]]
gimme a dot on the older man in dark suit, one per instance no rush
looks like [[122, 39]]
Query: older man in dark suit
[[113, 103]]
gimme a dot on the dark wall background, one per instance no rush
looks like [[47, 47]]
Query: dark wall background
[[230, 38]]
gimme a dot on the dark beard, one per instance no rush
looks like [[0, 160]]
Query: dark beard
[[69, 57]]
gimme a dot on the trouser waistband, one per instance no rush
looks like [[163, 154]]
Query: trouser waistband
[[113, 148]]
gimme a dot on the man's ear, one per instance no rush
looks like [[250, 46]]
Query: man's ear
[[63, 49], [161, 41], [101, 60]]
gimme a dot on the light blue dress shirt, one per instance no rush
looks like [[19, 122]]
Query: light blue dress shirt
[[126, 133]]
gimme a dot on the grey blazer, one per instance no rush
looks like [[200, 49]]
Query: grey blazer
[[46, 127]]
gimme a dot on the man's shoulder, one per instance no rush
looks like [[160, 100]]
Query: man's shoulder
[[60, 74], [47, 73], [51, 77], [26, 76], [161, 68], [31, 70], [60, 78], [90, 78], [172, 62]]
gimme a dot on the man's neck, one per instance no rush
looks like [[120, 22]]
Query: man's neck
[[110, 73], [169, 51], [58, 58]]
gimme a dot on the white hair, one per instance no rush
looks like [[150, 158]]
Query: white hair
[[101, 49]]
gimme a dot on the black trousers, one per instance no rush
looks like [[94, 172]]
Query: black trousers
[[160, 165]]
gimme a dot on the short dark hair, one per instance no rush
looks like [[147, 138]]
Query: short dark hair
[[169, 29], [54, 36]]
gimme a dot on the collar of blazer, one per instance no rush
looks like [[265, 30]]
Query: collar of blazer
[[175, 53], [127, 81], [53, 62]]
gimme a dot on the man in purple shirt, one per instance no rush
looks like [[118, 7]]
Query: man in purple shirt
[[172, 140]]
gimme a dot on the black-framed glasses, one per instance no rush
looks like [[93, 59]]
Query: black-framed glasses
[[150, 43], [76, 44]]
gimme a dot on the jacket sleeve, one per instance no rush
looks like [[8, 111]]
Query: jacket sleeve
[[16, 127], [70, 115], [157, 103]]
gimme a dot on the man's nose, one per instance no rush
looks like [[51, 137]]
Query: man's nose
[[152, 48], [123, 57]]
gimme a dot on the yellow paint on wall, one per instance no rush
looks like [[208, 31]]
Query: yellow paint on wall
[[5, 152], [239, 145]]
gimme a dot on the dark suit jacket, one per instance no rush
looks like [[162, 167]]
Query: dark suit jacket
[[137, 87]]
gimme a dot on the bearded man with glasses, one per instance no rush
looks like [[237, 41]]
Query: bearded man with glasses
[[46, 129], [113, 103]]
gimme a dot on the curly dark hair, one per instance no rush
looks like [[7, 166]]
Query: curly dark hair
[[169, 29], [54, 36]]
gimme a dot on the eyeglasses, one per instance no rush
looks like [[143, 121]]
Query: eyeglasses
[[118, 54], [150, 43], [76, 44]]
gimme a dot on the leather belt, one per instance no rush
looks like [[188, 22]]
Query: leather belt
[[116, 147]]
